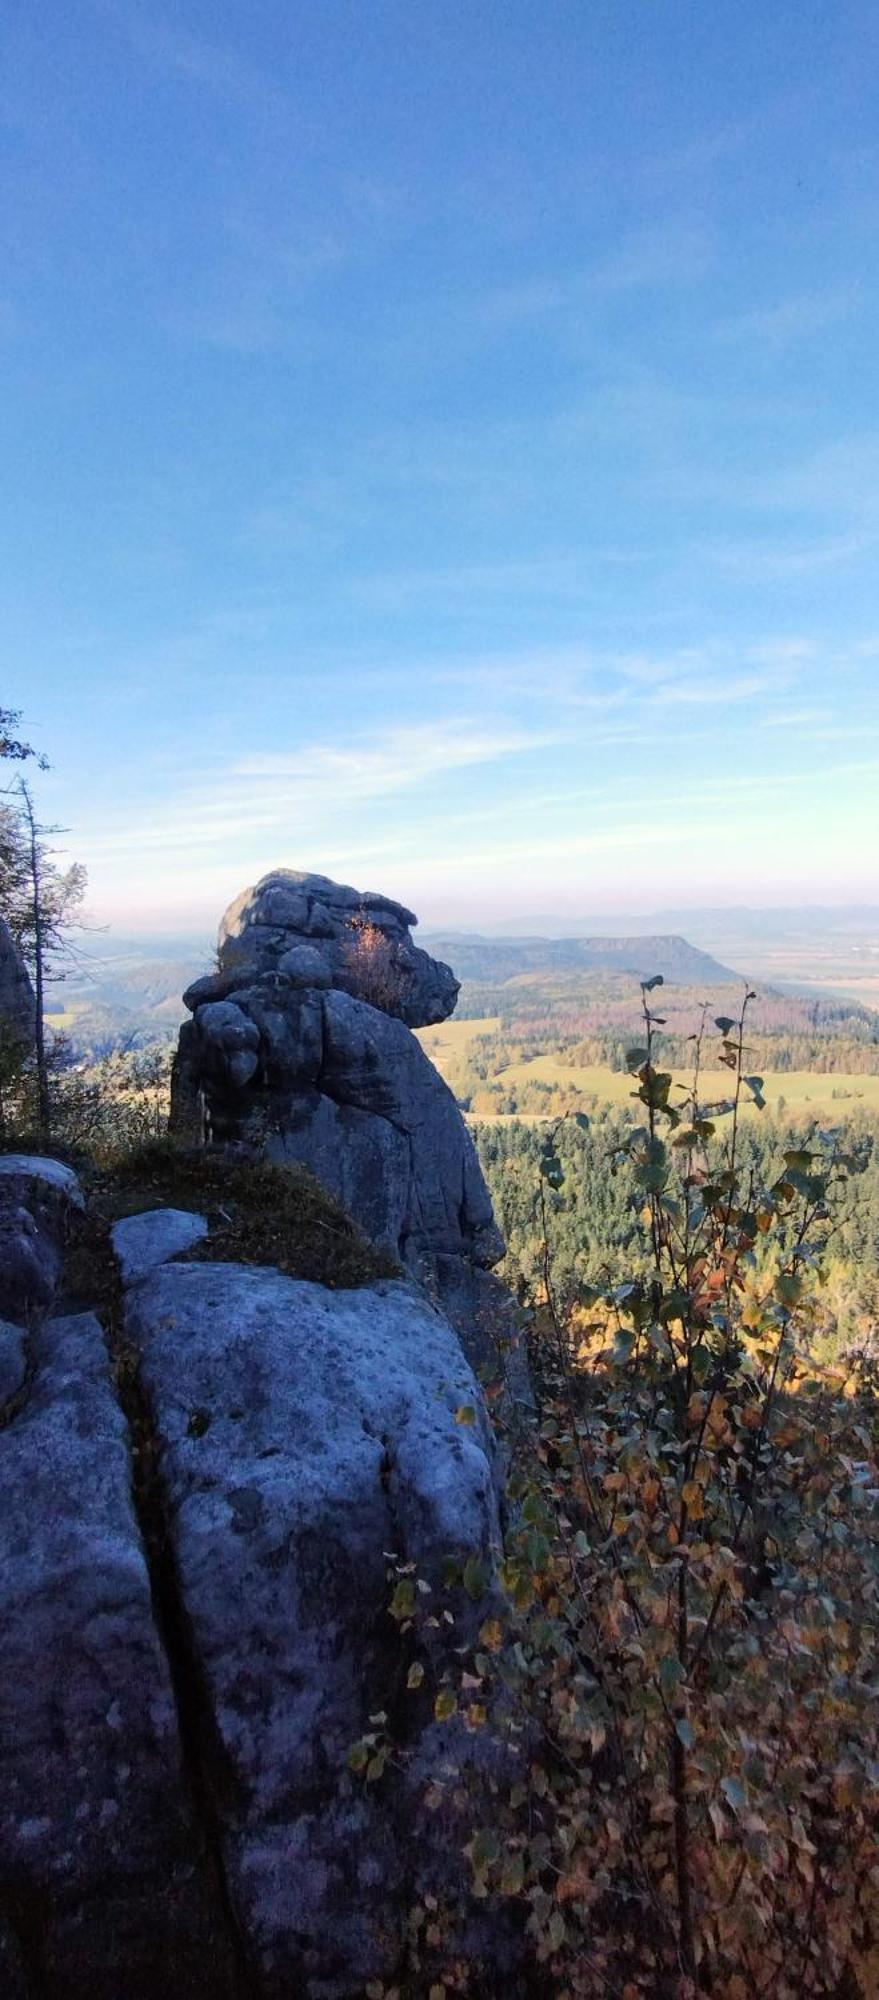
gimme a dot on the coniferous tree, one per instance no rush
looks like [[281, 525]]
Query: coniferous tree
[[38, 897]]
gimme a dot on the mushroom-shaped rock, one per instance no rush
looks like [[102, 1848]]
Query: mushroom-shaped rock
[[363, 939], [301, 1046]]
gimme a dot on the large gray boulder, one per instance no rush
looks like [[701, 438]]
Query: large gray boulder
[[349, 1093], [197, 1541], [305, 1437], [17, 1005], [103, 1886], [285, 1054]]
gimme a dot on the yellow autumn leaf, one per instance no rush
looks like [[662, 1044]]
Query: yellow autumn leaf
[[693, 1499], [491, 1635]]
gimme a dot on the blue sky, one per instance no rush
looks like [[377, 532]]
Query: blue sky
[[441, 446]]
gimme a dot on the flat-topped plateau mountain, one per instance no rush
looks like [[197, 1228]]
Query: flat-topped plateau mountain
[[498, 959]]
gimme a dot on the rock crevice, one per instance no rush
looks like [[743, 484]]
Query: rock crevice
[[209, 1780]]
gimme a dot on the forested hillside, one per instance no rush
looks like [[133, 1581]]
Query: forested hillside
[[595, 1226], [550, 1052], [548, 1043]]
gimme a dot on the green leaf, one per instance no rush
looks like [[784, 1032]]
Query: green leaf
[[647, 985], [485, 1847], [475, 1579], [402, 1603], [466, 1416], [723, 1022]]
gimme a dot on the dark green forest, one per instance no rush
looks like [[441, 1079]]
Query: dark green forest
[[595, 1231]]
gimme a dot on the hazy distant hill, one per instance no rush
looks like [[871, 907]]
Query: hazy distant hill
[[125, 991], [814, 920], [498, 959]]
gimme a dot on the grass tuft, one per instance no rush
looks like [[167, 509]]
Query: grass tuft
[[257, 1212]]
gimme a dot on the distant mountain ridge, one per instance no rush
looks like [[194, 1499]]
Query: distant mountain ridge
[[497, 959]]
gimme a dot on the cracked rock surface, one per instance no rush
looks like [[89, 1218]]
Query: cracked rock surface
[[199, 1501], [100, 1886], [303, 1434]]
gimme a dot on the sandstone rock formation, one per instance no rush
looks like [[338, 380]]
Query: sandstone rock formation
[[102, 1877], [307, 927], [17, 1008], [36, 1200], [199, 1501], [317, 1436], [301, 1045], [206, 1485]]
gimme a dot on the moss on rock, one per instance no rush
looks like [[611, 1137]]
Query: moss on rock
[[257, 1213]]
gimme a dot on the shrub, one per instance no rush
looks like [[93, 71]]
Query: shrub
[[692, 1581], [373, 973]]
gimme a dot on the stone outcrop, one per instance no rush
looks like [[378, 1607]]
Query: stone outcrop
[[17, 1007], [37, 1197], [296, 1453], [200, 1501], [301, 1045], [141, 1242], [102, 1879], [207, 1493]]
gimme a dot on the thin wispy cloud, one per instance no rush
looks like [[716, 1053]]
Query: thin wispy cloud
[[451, 448], [406, 758], [177, 53], [792, 319], [309, 788]]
